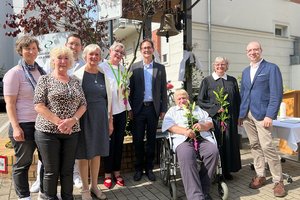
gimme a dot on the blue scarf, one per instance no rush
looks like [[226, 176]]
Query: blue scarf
[[27, 68]]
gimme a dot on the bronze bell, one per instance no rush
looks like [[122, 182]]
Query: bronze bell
[[167, 26]]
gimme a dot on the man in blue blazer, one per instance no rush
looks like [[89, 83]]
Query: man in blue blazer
[[261, 94], [148, 100]]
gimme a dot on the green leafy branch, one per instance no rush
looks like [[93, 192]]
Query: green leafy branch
[[221, 98]]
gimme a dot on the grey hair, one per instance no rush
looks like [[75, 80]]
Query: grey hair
[[117, 44], [220, 59]]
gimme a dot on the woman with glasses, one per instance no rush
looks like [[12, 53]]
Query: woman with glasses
[[96, 123], [60, 103], [228, 140], [19, 84], [114, 70]]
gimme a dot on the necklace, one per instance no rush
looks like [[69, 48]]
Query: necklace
[[96, 78]]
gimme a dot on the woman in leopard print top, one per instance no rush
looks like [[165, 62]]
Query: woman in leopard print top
[[60, 102]]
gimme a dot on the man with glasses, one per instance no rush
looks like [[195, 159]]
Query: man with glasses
[[148, 100], [261, 95]]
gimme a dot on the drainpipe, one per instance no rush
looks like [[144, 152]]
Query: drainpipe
[[209, 35]]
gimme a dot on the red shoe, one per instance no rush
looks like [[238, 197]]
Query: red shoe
[[119, 180], [107, 182]]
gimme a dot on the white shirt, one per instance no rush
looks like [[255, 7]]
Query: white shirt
[[175, 116], [118, 105], [253, 69]]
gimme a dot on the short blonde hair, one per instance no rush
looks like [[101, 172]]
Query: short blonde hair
[[179, 92], [59, 51], [25, 41], [89, 48]]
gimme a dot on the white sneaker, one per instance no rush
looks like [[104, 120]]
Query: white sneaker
[[77, 182], [35, 188], [25, 198], [59, 196]]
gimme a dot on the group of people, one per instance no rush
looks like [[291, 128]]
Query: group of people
[[75, 109], [254, 106], [75, 112]]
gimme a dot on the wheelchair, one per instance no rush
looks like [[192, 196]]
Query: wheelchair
[[169, 166]]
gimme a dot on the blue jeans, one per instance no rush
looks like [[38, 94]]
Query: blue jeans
[[23, 153], [58, 155]]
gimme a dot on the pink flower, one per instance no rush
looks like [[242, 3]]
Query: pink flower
[[196, 144], [125, 101]]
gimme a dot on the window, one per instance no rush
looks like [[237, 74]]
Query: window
[[281, 30], [165, 58]]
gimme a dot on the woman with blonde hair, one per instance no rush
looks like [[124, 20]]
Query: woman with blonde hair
[[59, 101], [96, 123]]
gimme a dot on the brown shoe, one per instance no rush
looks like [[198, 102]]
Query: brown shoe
[[279, 190], [257, 182]]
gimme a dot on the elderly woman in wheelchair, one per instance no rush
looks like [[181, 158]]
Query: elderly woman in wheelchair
[[196, 183]]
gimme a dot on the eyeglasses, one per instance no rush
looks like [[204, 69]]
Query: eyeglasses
[[220, 64], [145, 48], [253, 50], [74, 44], [120, 52]]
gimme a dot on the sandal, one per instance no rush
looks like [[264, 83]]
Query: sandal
[[119, 180], [98, 193], [107, 182], [86, 195]]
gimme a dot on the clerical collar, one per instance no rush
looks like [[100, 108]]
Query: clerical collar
[[216, 77]]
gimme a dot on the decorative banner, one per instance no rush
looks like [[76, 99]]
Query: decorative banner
[[110, 9], [3, 164], [47, 42]]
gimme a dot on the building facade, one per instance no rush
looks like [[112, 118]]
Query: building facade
[[224, 28]]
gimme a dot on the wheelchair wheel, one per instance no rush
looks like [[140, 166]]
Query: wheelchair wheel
[[223, 190], [173, 189], [165, 162]]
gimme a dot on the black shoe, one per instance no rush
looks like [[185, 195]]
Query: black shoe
[[207, 197], [151, 175], [228, 176], [137, 176]]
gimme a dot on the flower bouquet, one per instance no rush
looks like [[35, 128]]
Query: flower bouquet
[[191, 119], [223, 117], [124, 85]]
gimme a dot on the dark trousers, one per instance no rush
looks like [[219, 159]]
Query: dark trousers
[[23, 153], [113, 161], [41, 173], [58, 155], [197, 183], [145, 120]]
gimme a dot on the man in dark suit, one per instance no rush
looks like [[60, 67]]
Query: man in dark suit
[[148, 99], [261, 94]]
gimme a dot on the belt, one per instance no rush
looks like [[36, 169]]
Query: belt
[[148, 103]]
